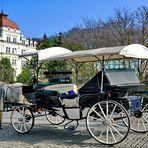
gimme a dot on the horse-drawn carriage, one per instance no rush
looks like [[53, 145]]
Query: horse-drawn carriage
[[106, 101]]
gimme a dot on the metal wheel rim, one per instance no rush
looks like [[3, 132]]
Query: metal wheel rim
[[22, 119], [139, 124], [111, 131], [54, 119]]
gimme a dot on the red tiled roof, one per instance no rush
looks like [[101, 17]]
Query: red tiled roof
[[5, 22]]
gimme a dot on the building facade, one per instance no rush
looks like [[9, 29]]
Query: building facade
[[13, 43]]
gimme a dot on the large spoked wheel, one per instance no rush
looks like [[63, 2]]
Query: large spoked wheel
[[139, 119], [54, 118], [22, 119], [105, 122]]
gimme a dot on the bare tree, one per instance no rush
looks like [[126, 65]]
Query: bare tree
[[141, 16], [120, 29], [92, 33]]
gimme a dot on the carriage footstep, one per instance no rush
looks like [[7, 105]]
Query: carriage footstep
[[71, 126]]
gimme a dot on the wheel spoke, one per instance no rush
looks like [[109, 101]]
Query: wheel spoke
[[107, 109], [112, 134], [19, 110], [113, 111], [25, 127], [116, 130], [98, 120], [143, 124], [98, 114], [19, 124], [102, 133], [21, 127], [107, 134], [134, 121], [138, 123], [28, 125], [16, 122], [119, 126], [102, 111], [145, 119]]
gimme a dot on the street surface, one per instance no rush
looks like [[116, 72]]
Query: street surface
[[44, 135]]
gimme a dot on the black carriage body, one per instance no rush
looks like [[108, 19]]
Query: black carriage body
[[41, 97], [116, 84], [48, 98]]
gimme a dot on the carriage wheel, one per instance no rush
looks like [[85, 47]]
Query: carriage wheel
[[139, 119], [22, 119], [54, 118], [105, 122]]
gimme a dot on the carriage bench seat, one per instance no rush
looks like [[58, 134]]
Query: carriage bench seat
[[65, 90], [62, 88]]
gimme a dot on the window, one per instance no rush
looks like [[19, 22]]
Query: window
[[23, 42], [13, 62], [7, 49], [22, 51], [23, 62], [13, 50], [14, 40], [8, 38]]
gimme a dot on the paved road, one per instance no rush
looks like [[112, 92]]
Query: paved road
[[44, 135]]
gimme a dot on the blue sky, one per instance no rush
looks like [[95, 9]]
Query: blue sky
[[36, 17]]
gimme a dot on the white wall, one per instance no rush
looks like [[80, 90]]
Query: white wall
[[12, 48]]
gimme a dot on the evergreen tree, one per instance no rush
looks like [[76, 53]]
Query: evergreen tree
[[25, 76], [6, 73]]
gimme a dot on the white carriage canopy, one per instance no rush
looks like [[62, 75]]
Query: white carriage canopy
[[133, 51], [105, 53], [47, 53], [92, 55]]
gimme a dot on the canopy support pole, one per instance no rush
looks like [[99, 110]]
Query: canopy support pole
[[102, 77], [76, 72]]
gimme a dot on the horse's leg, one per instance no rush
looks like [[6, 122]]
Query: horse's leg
[[1, 106], [1, 118]]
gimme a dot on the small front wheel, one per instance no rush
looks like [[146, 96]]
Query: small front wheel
[[22, 119], [54, 118], [105, 122]]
